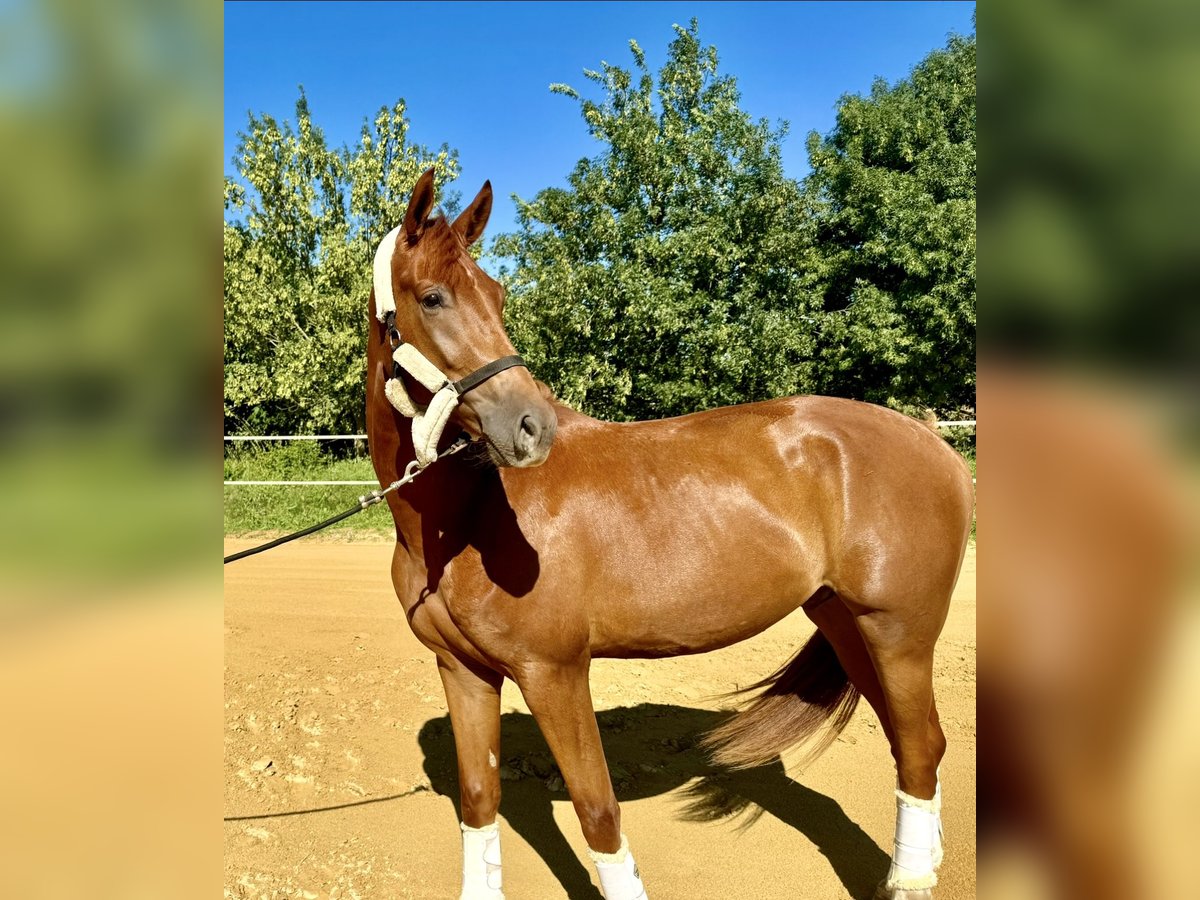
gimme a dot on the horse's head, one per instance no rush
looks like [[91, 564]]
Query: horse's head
[[450, 310]]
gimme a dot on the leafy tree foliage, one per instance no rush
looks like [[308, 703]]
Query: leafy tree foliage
[[893, 192], [301, 226], [668, 276], [679, 269]]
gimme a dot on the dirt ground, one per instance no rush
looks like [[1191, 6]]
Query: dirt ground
[[340, 774]]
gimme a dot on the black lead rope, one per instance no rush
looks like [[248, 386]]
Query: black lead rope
[[356, 508]]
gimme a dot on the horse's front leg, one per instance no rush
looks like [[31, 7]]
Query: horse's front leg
[[474, 701], [561, 702]]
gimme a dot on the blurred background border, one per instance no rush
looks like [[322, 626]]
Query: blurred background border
[[110, 132]]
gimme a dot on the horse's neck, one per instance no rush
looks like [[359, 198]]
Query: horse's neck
[[439, 503], [438, 500]]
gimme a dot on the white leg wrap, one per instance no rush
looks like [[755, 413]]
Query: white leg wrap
[[481, 878], [619, 876], [937, 834], [916, 833]]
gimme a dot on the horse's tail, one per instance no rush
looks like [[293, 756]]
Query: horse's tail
[[809, 700]]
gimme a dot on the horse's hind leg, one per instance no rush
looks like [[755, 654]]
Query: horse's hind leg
[[838, 624], [900, 642], [826, 610], [474, 701], [937, 741]]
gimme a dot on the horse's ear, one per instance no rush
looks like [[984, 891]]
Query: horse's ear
[[473, 220], [419, 207]]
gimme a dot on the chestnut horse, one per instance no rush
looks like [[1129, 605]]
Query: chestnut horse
[[652, 539]]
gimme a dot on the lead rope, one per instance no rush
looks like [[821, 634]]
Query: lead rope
[[411, 471]]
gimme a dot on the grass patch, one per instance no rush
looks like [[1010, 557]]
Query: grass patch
[[282, 508], [285, 508]]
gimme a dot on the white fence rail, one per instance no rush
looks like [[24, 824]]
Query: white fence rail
[[376, 483], [295, 437], [242, 438]]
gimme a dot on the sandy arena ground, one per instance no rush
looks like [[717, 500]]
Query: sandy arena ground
[[340, 772]]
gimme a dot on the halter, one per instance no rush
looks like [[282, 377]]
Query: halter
[[428, 421]]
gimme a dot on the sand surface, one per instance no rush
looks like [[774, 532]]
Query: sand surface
[[340, 768]]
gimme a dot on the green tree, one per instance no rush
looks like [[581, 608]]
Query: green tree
[[301, 226], [893, 192], [668, 276]]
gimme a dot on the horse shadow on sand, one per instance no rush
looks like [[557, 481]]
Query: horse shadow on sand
[[652, 749]]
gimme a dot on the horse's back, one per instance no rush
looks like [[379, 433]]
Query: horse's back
[[798, 430]]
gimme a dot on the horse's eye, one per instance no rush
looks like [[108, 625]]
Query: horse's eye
[[431, 301]]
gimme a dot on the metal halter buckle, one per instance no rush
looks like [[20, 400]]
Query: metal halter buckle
[[393, 332]]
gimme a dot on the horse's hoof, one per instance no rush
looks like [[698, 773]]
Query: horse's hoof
[[884, 893]]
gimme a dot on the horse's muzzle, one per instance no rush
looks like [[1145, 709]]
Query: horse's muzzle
[[533, 435], [512, 418]]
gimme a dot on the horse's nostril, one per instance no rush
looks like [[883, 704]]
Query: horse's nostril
[[527, 436]]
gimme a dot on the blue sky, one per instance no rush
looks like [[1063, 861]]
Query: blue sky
[[476, 75]]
